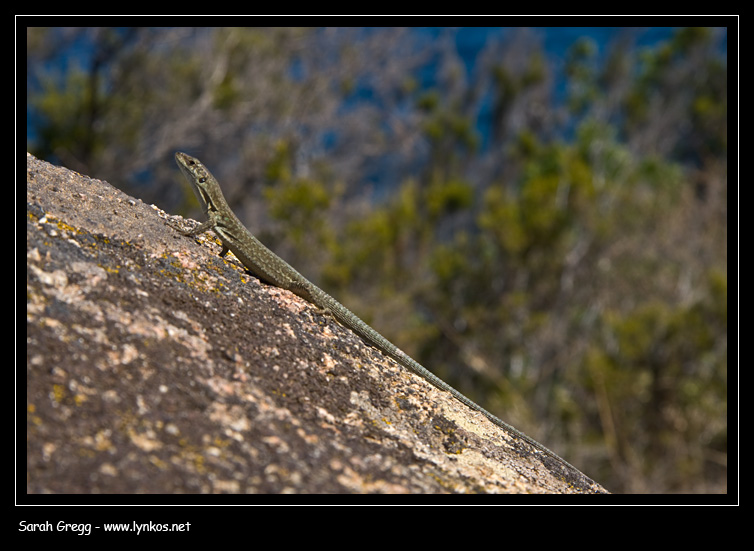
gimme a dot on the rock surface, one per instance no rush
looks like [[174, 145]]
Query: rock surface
[[154, 366]]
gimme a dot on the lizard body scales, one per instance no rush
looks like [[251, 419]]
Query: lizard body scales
[[270, 268]]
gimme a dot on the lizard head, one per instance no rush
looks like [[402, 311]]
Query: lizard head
[[201, 180]]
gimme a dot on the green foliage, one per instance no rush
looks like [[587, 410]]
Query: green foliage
[[661, 372], [443, 198], [450, 131], [655, 92], [65, 106], [581, 70], [375, 244], [297, 201], [569, 272], [555, 189], [502, 218]]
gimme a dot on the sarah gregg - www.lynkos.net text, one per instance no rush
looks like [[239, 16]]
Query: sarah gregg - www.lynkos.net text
[[84, 529]]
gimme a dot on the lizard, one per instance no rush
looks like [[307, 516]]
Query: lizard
[[269, 268]]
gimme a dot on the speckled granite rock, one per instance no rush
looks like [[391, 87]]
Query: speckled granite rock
[[154, 366]]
